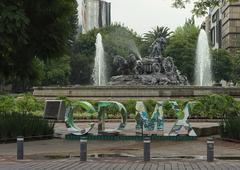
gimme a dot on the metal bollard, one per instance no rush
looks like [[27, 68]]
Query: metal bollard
[[83, 149], [20, 148], [146, 152], [210, 150]]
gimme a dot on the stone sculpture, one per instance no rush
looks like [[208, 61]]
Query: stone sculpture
[[154, 69], [158, 47]]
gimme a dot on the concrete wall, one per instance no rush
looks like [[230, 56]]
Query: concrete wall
[[129, 92]]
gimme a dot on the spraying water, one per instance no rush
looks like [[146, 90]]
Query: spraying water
[[99, 71], [203, 72]]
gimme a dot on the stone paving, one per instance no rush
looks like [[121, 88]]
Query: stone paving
[[123, 164], [61, 154]]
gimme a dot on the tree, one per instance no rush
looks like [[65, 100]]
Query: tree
[[156, 33], [236, 68], [57, 71], [222, 65], [117, 40], [200, 6], [34, 29], [182, 47], [81, 69]]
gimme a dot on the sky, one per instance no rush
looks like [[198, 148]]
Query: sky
[[143, 15]]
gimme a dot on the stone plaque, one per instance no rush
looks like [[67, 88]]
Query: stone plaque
[[54, 109]]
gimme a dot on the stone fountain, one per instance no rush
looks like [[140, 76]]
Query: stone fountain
[[152, 77], [155, 69]]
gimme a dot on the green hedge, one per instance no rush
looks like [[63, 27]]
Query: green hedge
[[230, 128], [27, 125], [214, 106]]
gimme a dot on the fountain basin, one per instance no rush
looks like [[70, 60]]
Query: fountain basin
[[120, 93]]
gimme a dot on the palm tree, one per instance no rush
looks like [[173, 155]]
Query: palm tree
[[156, 33]]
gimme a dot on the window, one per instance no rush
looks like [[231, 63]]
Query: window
[[213, 36], [215, 16]]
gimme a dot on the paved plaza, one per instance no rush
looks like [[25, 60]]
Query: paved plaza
[[123, 164], [59, 153]]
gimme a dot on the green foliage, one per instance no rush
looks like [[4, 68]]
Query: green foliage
[[168, 111], [200, 6], [57, 71], [33, 29], [157, 32], [222, 65], [117, 40], [230, 128], [81, 69], [151, 36], [236, 68], [120, 40], [34, 71], [150, 106], [7, 104], [130, 106], [182, 47], [218, 106], [27, 125], [27, 103], [214, 106], [66, 100], [23, 103]]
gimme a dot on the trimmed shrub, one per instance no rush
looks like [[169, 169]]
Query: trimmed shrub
[[230, 128], [17, 124], [130, 106], [217, 106]]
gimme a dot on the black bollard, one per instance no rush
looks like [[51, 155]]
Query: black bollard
[[210, 150], [20, 148], [146, 152], [83, 149]]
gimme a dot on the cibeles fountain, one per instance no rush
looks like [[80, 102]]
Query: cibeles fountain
[[155, 69], [152, 77]]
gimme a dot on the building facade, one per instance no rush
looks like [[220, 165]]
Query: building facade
[[223, 26], [93, 14]]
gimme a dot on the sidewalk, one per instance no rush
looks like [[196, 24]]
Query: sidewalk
[[120, 154], [60, 147], [124, 164]]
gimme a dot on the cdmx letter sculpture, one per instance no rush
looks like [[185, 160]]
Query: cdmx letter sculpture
[[155, 124], [144, 123], [101, 110]]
